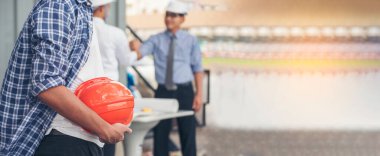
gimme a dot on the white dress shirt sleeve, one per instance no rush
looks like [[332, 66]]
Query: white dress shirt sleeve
[[123, 53]]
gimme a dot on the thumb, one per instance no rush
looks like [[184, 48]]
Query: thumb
[[123, 128]]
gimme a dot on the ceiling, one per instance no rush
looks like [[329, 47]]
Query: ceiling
[[275, 13]]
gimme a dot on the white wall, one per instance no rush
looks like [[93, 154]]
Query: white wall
[[297, 101]]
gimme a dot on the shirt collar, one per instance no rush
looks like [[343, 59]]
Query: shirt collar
[[177, 35]]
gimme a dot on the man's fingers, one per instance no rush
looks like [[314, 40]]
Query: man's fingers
[[117, 134], [197, 109], [122, 128], [134, 44], [197, 105], [129, 131]]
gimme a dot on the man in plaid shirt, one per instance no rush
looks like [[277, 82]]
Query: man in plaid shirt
[[52, 48]]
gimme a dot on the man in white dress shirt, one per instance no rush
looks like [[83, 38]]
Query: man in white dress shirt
[[114, 48], [113, 42]]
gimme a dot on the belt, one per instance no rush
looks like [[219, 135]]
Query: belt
[[186, 84]]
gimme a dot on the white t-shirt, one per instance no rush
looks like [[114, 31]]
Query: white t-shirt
[[114, 48], [92, 68]]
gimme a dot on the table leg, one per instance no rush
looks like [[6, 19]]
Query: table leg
[[133, 142]]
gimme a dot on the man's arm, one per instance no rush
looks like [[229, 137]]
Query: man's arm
[[68, 105], [196, 65], [50, 68], [198, 101], [142, 49]]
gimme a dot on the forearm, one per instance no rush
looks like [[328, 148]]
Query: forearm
[[198, 83], [68, 105]]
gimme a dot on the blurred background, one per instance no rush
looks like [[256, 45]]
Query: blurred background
[[285, 77]]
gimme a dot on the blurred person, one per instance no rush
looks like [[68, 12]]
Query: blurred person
[[114, 48], [55, 52], [177, 59], [131, 84], [113, 42]]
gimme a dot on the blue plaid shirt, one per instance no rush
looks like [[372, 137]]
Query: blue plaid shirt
[[50, 50]]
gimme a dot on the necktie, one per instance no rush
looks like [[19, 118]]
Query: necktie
[[169, 83]]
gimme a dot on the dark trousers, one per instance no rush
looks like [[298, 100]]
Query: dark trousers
[[64, 145], [109, 149], [186, 125]]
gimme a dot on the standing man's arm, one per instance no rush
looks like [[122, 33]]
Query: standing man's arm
[[142, 49], [196, 66], [198, 101], [52, 27]]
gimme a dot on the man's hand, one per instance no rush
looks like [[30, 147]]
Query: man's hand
[[197, 104], [135, 45], [114, 133]]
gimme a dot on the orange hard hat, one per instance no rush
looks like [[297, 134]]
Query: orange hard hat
[[111, 100]]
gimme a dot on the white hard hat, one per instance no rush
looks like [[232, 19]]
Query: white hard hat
[[178, 6], [97, 3]]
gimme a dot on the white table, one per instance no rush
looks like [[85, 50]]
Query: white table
[[141, 124]]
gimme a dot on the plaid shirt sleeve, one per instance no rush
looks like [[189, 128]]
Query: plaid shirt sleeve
[[52, 26], [50, 50]]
